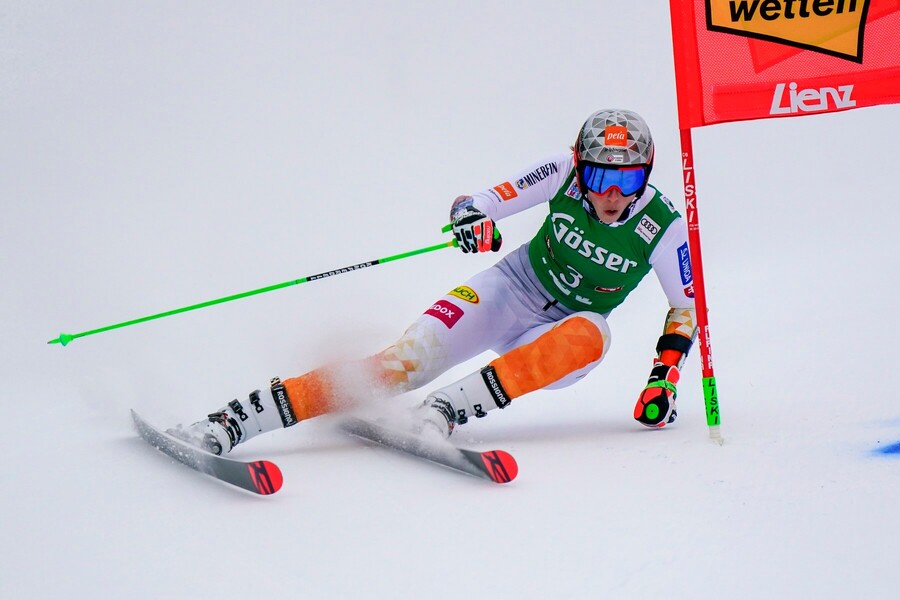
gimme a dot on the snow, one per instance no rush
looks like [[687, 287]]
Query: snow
[[161, 154]]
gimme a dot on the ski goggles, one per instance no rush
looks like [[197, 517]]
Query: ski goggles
[[599, 180]]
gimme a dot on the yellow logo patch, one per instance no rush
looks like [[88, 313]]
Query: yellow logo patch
[[833, 27], [466, 293]]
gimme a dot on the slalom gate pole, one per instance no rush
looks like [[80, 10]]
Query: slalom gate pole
[[65, 338], [710, 393]]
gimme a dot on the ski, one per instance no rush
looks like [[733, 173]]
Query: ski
[[260, 476], [495, 465]]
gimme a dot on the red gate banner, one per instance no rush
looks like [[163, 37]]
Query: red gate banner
[[737, 60]]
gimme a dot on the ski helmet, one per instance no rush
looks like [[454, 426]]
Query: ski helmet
[[613, 139]]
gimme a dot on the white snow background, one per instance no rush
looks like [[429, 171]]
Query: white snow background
[[159, 154]]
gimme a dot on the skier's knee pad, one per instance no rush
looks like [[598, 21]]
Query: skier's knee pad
[[577, 342], [599, 321]]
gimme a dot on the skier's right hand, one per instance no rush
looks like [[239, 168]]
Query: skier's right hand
[[656, 405], [475, 231]]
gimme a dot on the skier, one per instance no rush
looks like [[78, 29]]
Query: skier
[[542, 308]]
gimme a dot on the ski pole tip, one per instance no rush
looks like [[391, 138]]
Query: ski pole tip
[[63, 339]]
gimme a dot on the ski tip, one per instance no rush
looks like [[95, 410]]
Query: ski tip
[[275, 475], [500, 465], [266, 476]]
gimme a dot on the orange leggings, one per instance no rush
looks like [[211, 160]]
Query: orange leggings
[[566, 347]]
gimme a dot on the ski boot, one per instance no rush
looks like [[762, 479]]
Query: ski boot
[[471, 396], [237, 422]]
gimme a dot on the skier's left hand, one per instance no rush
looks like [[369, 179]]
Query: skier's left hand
[[656, 405]]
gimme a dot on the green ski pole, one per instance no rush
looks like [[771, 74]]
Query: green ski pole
[[65, 338]]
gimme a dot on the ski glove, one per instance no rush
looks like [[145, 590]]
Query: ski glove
[[476, 232], [656, 405]]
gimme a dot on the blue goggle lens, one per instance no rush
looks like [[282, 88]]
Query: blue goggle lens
[[599, 179]]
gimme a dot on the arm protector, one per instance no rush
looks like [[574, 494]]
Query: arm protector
[[679, 332]]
